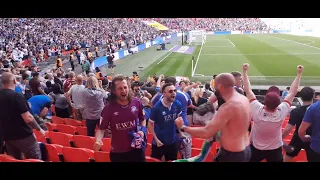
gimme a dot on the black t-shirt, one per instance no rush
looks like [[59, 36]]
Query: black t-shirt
[[12, 125], [221, 100], [109, 59], [296, 117]]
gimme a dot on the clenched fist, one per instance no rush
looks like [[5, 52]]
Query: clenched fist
[[179, 122], [245, 67], [300, 69]]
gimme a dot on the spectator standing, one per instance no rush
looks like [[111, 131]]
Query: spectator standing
[[17, 122], [296, 117], [266, 134]]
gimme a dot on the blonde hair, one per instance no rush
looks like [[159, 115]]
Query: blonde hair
[[196, 94], [92, 83]]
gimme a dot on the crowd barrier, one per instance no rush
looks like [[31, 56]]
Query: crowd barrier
[[123, 53]]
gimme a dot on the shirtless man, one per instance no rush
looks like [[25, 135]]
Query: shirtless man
[[233, 127]]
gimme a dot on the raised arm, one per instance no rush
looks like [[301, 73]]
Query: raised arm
[[246, 82], [295, 85]]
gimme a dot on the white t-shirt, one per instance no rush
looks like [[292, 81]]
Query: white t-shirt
[[77, 97], [266, 133]]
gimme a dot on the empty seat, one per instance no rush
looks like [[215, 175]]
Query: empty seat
[[149, 138], [4, 157], [151, 159], [106, 145], [81, 131], [66, 129], [39, 137], [83, 141], [77, 154], [84, 123], [51, 127], [57, 120], [101, 156], [54, 152], [148, 149], [73, 122], [197, 142], [213, 149], [302, 156], [60, 138]]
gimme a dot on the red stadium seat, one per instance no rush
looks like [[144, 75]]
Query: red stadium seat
[[81, 131], [83, 141], [77, 154], [150, 159], [106, 145], [54, 152], [197, 143], [148, 149], [100, 156], [60, 138], [66, 129], [51, 126], [73, 122], [57, 120], [149, 138], [39, 137]]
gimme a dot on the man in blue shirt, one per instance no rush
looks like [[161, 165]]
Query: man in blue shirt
[[312, 117], [162, 124], [39, 107], [185, 101]]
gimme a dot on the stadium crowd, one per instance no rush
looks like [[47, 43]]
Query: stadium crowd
[[161, 118], [40, 38], [214, 24]]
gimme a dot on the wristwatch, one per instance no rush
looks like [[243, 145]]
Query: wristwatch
[[182, 128]]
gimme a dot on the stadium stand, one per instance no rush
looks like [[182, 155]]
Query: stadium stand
[[26, 42]]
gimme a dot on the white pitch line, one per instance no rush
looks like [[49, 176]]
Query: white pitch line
[[195, 66], [231, 42], [295, 42], [218, 46], [262, 54], [167, 54], [274, 76]]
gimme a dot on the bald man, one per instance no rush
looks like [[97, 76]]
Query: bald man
[[16, 122], [74, 97], [233, 127]]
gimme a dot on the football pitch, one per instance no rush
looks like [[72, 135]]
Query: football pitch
[[273, 58]]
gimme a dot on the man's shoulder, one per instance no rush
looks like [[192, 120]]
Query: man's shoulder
[[314, 106], [177, 103], [8, 93]]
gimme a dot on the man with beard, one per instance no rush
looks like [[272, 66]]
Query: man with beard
[[161, 124], [233, 126], [122, 113]]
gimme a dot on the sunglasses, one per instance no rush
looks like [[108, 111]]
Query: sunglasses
[[171, 91]]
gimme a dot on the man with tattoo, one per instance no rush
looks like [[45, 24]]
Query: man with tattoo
[[16, 122]]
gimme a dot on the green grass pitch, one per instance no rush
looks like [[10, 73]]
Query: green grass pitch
[[273, 58]]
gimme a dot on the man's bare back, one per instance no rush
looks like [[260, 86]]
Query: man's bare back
[[234, 135]]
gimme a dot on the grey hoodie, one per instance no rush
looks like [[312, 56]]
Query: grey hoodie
[[93, 100]]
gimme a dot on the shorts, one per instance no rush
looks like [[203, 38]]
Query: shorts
[[273, 155], [228, 156], [298, 144], [170, 152], [111, 65], [135, 155], [28, 146]]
